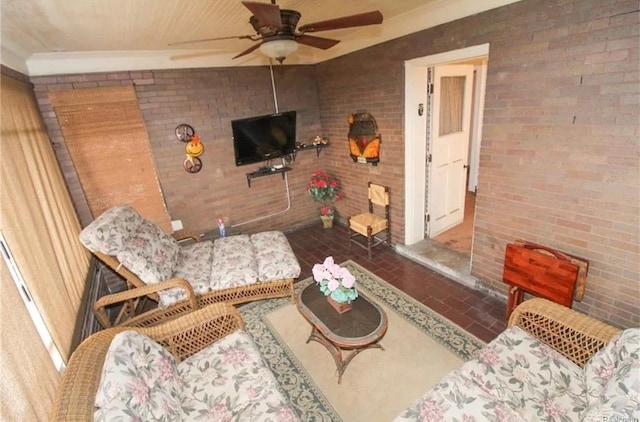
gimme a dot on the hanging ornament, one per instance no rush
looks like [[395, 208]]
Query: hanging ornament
[[194, 148], [184, 132], [192, 164]]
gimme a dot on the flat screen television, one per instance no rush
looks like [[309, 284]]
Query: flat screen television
[[262, 138]]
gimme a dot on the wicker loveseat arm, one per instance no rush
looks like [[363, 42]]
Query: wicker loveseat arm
[[75, 397], [195, 331], [131, 300], [574, 335]]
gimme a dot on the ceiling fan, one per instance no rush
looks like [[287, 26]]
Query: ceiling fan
[[276, 30]]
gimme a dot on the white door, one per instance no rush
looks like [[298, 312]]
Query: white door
[[449, 146]]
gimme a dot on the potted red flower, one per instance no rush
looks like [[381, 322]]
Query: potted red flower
[[325, 188]]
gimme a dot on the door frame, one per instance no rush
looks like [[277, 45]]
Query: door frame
[[477, 110], [415, 141]]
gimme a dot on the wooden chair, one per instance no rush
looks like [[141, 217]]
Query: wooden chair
[[373, 227]]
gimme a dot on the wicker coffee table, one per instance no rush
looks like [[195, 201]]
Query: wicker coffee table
[[358, 329]]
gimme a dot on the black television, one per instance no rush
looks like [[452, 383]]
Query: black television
[[262, 138]]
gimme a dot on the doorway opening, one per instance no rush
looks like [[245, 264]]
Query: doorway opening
[[452, 240], [460, 237], [457, 232]]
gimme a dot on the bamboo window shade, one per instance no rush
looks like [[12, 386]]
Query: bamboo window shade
[[110, 149]]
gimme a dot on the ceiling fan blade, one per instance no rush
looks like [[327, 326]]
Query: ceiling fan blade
[[238, 37], [247, 51], [363, 19], [317, 42], [267, 14]]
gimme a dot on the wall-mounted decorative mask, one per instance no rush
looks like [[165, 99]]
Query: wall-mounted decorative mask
[[364, 139]]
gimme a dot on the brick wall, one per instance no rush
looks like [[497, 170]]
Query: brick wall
[[559, 159], [208, 99]]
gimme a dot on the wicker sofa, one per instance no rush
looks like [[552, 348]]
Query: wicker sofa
[[550, 364], [200, 366], [233, 269]]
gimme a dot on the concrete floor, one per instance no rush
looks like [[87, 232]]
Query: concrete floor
[[450, 252], [441, 259]]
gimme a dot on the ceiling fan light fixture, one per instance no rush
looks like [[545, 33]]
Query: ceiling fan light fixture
[[277, 49]]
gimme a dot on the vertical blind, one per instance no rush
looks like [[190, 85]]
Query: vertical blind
[[109, 146], [41, 228], [29, 378]]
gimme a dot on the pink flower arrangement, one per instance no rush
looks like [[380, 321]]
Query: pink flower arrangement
[[335, 281]]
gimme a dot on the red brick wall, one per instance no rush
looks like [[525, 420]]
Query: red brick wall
[[559, 160], [371, 80], [208, 99]]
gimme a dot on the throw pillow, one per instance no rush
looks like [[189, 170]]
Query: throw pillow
[[613, 379], [111, 230], [138, 380], [150, 253]]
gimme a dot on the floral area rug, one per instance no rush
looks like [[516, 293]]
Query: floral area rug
[[419, 348]]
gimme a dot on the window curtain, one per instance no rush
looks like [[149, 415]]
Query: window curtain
[[110, 149], [451, 104], [41, 228]]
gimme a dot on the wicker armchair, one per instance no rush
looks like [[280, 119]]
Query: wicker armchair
[[576, 336], [182, 336]]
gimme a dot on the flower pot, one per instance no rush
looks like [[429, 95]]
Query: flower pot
[[327, 221], [340, 307]]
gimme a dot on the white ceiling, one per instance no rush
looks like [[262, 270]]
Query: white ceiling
[[44, 37]]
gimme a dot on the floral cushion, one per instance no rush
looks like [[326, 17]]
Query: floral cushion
[[233, 262], [112, 230], [613, 379], [138, 381], [274, 256], [531, 377], [518, 371], [458, 398], [150, 253], [229, 381], [194, 265], [226, 381]]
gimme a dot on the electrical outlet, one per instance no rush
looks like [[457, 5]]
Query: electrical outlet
[[176, 225]]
